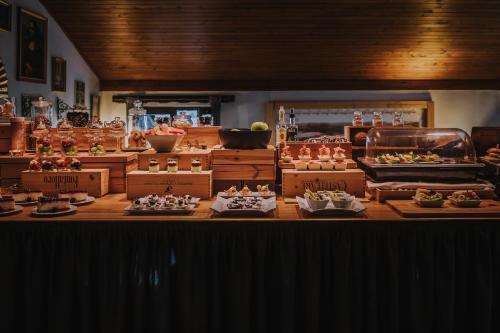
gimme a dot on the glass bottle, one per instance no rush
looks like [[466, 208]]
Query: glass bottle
[[95, 137], [281, 128], [292, 130], [357, 119], [377, 120], [117, 130], [69, 146]]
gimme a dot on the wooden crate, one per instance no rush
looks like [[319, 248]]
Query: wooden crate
[[252, 164], [184, 159], [295, 147], [11, 168], [5, 135], [295, 182], [208, 135], [142, 183], [93, 181]]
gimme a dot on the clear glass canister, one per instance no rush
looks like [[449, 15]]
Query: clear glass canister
[[42, 111], [69, 144], [182, 121], [43, 139], [118, 130], [95, 137], [357, 119], [377, 120]]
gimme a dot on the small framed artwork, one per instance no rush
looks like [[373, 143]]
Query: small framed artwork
[[5, 16], [58, 74], [26, 104], [32, 47], [80, 93], [95, 101]]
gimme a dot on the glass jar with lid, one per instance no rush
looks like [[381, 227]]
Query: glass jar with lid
[[397, 119], [206, 120], [42, 111], [182, 121], [117, 130], [43, 139], [95, 135], [377, 120], [138, 125], [69, 144]]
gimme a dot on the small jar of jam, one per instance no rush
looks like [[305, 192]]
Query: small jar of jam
[[154, 165], [172, 165], [377, 120], [196, 165]]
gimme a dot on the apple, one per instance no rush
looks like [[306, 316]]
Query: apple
[[259, 126]]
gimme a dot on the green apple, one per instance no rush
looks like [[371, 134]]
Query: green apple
[[259, 126]]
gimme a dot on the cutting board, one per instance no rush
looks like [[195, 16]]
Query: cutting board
[[408, 208]]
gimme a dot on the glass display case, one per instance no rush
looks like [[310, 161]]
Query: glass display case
[[419, 153]]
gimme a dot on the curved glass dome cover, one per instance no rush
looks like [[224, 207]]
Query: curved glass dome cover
[[399, 146]]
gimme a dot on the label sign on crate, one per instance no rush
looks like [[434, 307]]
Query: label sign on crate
[[142, 183], [93, 181], [296, 182]]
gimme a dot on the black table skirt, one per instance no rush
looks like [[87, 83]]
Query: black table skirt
[[250, 277]]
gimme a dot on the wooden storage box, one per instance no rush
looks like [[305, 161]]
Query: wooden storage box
[[294, 183], [11, 168], [93, 181], [184, 159], [252, 164], [142, 183], [208, 135]]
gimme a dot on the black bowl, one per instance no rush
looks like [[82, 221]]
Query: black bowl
[[244, 138]]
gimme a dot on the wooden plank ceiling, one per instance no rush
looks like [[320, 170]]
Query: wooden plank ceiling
[[286, 44]]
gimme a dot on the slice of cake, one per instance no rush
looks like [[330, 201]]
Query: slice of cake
[[26, 196], [74, 196], [7, 203], [52, 205]]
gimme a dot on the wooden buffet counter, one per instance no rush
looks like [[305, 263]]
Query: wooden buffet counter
[[111, 209]]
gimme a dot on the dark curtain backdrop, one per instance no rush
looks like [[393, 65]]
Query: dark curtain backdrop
[[250, 277]]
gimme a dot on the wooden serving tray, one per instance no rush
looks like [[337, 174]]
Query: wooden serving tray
[[409, 208]]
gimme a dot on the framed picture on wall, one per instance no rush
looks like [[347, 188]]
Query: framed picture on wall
[[26, 104], [79, 93], [32, 47], [5, 16], [58, 74]]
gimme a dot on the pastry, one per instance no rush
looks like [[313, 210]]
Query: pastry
[[7, 203], [35, 166], [263, 189], [314, 200], [74, 196], [304, 154], [286, 155], [324, 154], [429, 198], [232, 191], [301, 165], [47, 166], [52, 205], [172, 165], [154, 165], [61, 164], [137, 139], [196, 165], [26, 196], [245, 191]]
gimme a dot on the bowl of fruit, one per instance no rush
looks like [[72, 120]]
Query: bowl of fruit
[[428, 198], [468, 199], [164, 138], [255, 137]]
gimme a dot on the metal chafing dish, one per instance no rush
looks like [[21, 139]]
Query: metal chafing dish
[[413, 154]]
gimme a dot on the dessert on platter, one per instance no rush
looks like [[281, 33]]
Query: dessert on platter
[[493, 154], [409, 158], [465, 199], [428, 198], [339, 154], [53, 205], [76, 197], [329, 203], [305, 153], [7, 204], [261, 191], [286, 155], [244, 205], [324, 154], [26, 197], [162, 204]]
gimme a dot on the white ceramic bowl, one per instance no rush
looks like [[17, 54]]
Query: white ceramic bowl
[[164, 143]]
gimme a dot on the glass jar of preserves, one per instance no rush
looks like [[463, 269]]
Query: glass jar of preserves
[[182, 121], [43, 139], [69, 145], [195, 165], [172, 165], [117, 130], [357, 119], [397, 119], [95, 137], [377, 120]]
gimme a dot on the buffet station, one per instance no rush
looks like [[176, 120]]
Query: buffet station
[[172, 170]]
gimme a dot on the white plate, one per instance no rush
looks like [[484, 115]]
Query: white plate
[[330, 209], [189, 208], [220, 206], [16, 209], [26, 203], [252, 194], [71, 209], [84, 202]]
